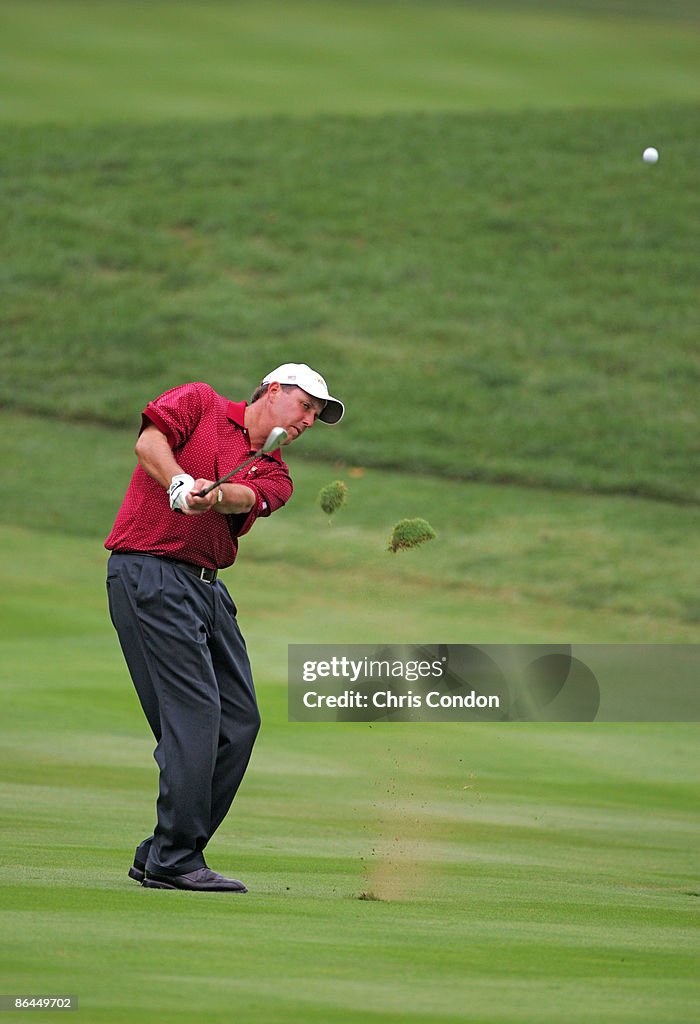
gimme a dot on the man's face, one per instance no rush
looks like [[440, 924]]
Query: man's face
[[294, 409]]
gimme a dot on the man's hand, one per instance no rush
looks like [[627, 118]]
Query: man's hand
[[197, 505], [180, 486], [183, 492], [227, 499]]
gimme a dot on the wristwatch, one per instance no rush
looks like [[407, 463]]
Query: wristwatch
[[220, 497]]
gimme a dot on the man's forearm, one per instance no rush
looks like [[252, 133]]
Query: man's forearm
[[237, 498], [155, 456]]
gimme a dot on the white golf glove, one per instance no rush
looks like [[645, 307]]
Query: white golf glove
[[180, 486]]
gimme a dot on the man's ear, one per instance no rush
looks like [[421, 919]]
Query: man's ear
[[273, 389]]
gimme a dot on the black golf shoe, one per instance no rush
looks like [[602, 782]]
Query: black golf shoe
[[201, 880]]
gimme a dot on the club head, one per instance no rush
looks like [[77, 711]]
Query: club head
[[276, 437]]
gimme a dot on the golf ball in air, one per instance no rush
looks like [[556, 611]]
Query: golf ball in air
[[650, 155]]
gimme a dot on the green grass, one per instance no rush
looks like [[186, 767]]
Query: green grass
[[82, 61], [517, 293], [502, 292], [505, 905], [520, 873]]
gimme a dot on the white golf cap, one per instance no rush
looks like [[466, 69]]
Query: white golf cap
[[302, 376]]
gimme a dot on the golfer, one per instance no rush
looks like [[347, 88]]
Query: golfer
[[175, 619]]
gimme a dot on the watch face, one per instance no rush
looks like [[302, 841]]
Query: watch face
[[220, 498]]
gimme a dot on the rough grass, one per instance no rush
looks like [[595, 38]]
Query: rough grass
[[496, 298]]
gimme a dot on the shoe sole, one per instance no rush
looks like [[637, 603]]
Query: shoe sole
[[138, 876], [148, 883]]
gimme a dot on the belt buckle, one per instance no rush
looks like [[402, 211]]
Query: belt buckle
[[203, 574]]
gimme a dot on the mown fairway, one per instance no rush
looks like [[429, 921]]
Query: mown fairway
[[79, 60], [520, 873], [503, 293]]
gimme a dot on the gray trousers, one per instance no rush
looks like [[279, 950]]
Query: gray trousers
[[190, 667]]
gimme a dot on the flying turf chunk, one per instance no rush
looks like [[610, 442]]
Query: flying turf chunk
[[332, 497], [409, 533]]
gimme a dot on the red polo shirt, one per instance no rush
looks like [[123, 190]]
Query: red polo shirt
[[208, 438]]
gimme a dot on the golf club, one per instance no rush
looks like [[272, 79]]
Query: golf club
[[276, 437]]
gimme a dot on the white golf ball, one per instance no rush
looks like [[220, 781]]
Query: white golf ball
[[650, 155]]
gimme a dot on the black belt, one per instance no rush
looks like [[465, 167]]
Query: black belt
[[207, 575]]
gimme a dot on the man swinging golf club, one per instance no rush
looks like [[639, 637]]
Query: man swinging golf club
[[178, 524]]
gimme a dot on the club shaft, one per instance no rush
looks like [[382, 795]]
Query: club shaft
[[210, 487]]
